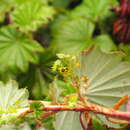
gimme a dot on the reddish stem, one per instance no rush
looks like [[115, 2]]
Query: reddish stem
[[84, 108], [91, 108], [89, 121], [81, 120], [47, 114]]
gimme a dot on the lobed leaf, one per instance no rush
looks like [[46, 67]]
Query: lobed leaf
[[17, 50], [8, 5], [97, 9], [12, 101], [12, 97], [74, 36], [30, 15], [108, 77]]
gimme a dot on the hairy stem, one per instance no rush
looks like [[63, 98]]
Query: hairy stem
[[109, 112]]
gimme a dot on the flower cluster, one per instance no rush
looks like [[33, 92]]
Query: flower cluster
[[65, 64]]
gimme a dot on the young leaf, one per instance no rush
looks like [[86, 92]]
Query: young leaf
[[67, 88], [74, 36], [37, 106], [12, 100], [16, 49], [12, 97], [30, 15], [72, 100]]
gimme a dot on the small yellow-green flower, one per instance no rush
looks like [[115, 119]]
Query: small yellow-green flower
[[65, 65]]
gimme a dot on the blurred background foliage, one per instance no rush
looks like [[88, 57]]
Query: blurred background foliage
[[32, 32]]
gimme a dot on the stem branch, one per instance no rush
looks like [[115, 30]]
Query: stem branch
[[109, 112]]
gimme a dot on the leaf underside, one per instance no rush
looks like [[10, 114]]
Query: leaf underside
[[108, 80]]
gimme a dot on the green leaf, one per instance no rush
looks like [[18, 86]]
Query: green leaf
[[47, 62], [20, 2], [103, 121], [8, 5], [94, 9], [97, 9], [96, 125], [17, 50], [49, 123], [61, 3], [36, 106], [30, 15], [126, 49], [105, 43], [73, 36], [80, 11], [55, 92], [12, 100], [67, 121], [12, 97], [58, 89], [62, 89], [5, 6], [72, 100], [57, 23], [39, 87], [114, 2], [67, 88]]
